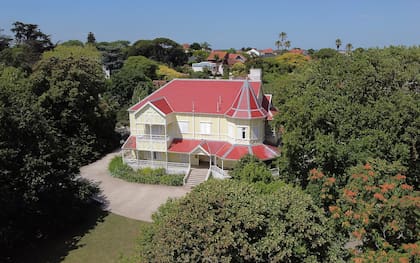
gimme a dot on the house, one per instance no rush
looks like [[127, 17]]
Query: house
[[200, 123], [268, 52], [235, 58], [253, 53], [218, 56], [205, 65]]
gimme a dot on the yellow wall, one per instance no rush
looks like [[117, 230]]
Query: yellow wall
[[219, 128]]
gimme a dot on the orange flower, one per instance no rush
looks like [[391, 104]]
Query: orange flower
[[403, 260], [385, 187], [358, 260], [367, 166], [379, 196], [357, 234], [406, 187], [333, 208], [400, 177], [371, 173], [394, 225], [412, 248]]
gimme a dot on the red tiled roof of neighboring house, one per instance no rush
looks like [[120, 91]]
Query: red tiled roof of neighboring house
[[220, 54], [162, 105], [186, 46], [246, 105], [296, 51], [130, 143], [267, 51], [235, 58], [208, 96], [223, 149]]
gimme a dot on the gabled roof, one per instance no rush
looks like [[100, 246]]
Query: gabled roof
[[267, 51], [246, 105], [200, 96], [162, 105], [235, 58]]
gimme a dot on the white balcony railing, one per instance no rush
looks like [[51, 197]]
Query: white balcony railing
[[152, 137], [171, 167]]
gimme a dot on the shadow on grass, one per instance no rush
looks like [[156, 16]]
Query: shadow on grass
[[56, 246]]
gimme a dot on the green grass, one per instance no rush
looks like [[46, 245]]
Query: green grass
[[107, 240]]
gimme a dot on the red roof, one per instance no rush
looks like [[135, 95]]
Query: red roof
[[162, 105], [130, 143], [267, 51], [246, 105], [224, 150], [203, 96], [183, 145], [296, 51], [220, 54], [235, 58]]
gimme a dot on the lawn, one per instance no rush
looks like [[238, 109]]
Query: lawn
[[104, 239]]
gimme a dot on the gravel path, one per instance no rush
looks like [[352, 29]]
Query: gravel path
[[136, 201]]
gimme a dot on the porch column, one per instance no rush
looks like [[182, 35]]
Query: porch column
[[137, 157], [122, 156]]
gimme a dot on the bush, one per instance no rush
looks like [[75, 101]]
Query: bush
[[143, 176], [231, 221]]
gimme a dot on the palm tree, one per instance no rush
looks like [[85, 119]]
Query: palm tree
[[205, 45], [278, 44], [287, 44], [283, 36], [338, 43], [349, 47]]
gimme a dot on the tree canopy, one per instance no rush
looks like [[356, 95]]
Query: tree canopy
[[160, 49], [339, 111], [231, 221]]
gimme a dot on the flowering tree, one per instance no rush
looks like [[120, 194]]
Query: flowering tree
[[376, 207]]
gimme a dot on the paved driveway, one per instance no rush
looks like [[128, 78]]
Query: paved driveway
[[137, 201]]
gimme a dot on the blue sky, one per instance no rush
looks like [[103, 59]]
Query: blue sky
[[225, 24]]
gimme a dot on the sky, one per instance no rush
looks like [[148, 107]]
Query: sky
[[224, 24]]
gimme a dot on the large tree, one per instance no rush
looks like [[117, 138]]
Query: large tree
[[160, 49], [232, 221], [39, 189], [68, 92], [339, 111], [136, 73], [338, 43]]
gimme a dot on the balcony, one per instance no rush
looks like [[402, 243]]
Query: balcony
[[152, 142]]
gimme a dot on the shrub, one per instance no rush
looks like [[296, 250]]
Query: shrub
[[143, 176]]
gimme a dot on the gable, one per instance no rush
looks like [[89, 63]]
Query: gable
[[149, 114]]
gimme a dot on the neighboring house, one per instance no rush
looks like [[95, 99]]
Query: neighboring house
[[207, 123], [218, 56], [200, 67], [268, 52], [235, 58], [253, 52]]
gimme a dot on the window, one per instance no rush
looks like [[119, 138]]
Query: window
[[242, 132], [158, 156], [231, 131], [183, 126], [255, 132], [205, 127]]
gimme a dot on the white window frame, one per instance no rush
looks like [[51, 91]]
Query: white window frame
[[242, 132], [184, 126], [205, 127]]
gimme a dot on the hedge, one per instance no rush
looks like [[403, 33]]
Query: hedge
[[143, 176]]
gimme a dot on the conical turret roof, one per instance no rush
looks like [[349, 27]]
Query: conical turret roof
[[246, 105]]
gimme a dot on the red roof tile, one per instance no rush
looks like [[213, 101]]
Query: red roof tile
[[265, 152], [183, 145], [267, 51], [224, 150], [246, 105], [220, 54], [130, 143], [199, 96], [162, 105]]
